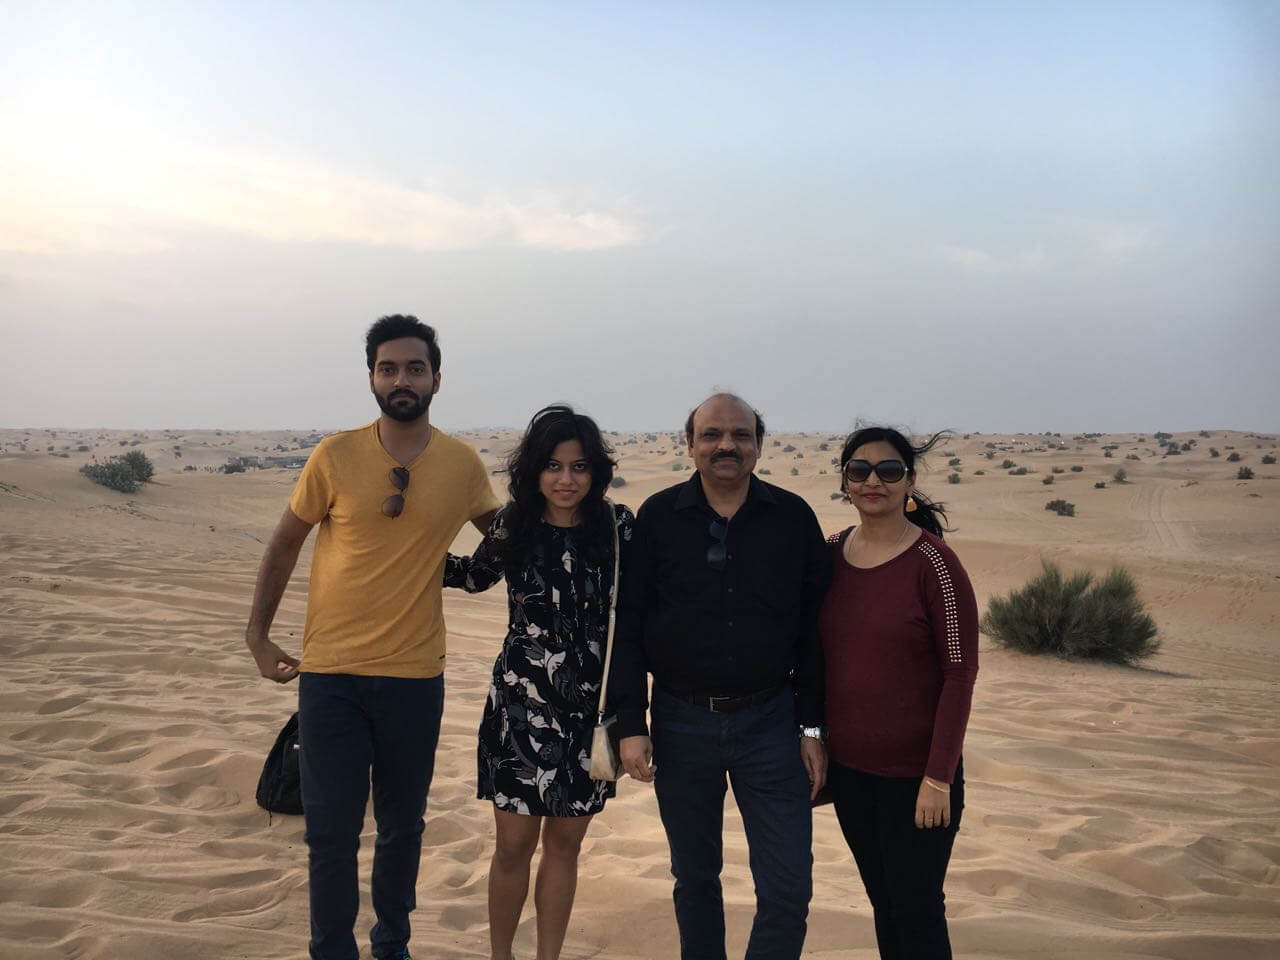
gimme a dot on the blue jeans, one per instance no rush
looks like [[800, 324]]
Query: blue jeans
[[347, 727], [759, 750]]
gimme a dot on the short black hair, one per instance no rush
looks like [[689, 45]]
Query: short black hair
[[688, 424], [395, 326]]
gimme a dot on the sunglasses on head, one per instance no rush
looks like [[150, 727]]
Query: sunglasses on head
[[889, 471], [393, 506]]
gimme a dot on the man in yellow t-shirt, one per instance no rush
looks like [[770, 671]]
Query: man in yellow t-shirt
[[389, 499]]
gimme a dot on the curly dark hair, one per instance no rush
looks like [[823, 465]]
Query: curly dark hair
[[550, 427], [928, 514], [393, 327]]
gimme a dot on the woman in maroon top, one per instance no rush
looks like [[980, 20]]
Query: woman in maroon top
[[900, 637]]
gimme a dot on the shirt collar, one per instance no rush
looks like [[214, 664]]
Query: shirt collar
[[692, 495]]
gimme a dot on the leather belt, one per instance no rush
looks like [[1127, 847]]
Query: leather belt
[[718, 704]]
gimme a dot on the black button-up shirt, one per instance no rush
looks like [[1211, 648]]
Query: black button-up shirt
[[746, 627]]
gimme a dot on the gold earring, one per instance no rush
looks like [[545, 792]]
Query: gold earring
[[911, 504]]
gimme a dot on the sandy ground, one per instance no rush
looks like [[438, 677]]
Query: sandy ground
[[1113, 813]]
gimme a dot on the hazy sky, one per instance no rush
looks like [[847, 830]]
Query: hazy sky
[[990, 216]]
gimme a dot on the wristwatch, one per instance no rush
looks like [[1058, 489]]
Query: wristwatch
[[816, 733]]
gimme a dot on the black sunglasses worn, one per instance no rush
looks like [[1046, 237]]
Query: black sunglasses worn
[[718, 552], [393, 506], [889, 471]]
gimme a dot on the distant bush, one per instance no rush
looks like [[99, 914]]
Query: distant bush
[[979, 473], [1074, 617], [1047, 479], [1061, 508], [1132, 456], [618, 482], [1268, 458], [1244, 473], [953, 477], [1100, 485], [1108, 454], [1077, 469], [233, 466], [1233, 457], [1059, 470], [795, 471], [1018, 472], [1120, 476], [140, 464], [766, 471], [837, 495], [824, 445], [84, 448], [1213, 452], [1204, 433], [1008, 464], [677, 466], [989, 454], [789, 448], [113, 473], [953, 462]]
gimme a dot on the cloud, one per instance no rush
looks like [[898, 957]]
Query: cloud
[[975, 260], [1109, 240], [136, 198]]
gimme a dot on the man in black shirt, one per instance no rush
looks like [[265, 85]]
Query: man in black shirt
[[720, 602]]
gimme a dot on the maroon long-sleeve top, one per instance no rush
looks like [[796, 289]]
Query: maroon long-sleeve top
[[901, 647]]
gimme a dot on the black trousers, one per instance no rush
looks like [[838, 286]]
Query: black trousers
[[902, 866]]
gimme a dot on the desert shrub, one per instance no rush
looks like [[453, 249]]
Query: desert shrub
[[948, 453], [1132, 456], [990, 454], [618, 482], [233, 466], [1059, 470], [1244, 473], [1204, 433], [1233, 457], [1077, 468], [795, 471], [1185, 447], [979, 473], [1061, 508], [1108, 454], [1008, 464], [953, 477], [766, 471], [777, 443], [1213, 452], [1018, 472], [1172, 451], [837, 495], [1047, 479], [824, 446], [1100, 485], [140, 464], [1120, 476], [1267, 458], [953, 462], [114, 474], [789, 448], [1076, 617], [84, 448]]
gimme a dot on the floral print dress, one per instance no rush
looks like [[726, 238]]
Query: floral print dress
[[535, 736]]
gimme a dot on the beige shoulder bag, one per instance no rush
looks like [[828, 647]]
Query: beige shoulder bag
[[605, 762]]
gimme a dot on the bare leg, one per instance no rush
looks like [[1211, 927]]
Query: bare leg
[[517, 838], [557, 881]]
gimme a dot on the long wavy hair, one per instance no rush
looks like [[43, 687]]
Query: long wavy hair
[[550, 427], [928, 514]]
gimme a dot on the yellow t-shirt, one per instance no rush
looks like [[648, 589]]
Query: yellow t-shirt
[[374, 606]]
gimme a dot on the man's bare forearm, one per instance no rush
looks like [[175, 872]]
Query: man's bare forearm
[[273, 578]]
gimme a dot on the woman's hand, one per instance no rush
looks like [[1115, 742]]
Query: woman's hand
[[933, 804]]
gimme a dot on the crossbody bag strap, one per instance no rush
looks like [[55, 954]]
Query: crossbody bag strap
[[613, 611]]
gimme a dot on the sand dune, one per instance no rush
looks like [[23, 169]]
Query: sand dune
[[1112, 813]]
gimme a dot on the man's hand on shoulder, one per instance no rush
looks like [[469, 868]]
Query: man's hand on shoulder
[[637, 758], [273, 663]]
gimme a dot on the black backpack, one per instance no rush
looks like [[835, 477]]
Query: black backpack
[[280, 786]]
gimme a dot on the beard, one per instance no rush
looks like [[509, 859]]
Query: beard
[[405, 413]]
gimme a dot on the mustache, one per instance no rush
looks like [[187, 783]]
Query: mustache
[[402, 393], [726, 455]]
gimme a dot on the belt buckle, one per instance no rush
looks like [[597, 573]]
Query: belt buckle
[[711, 703]]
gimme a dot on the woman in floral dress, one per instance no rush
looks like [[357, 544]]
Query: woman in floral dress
[[554, 544]]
